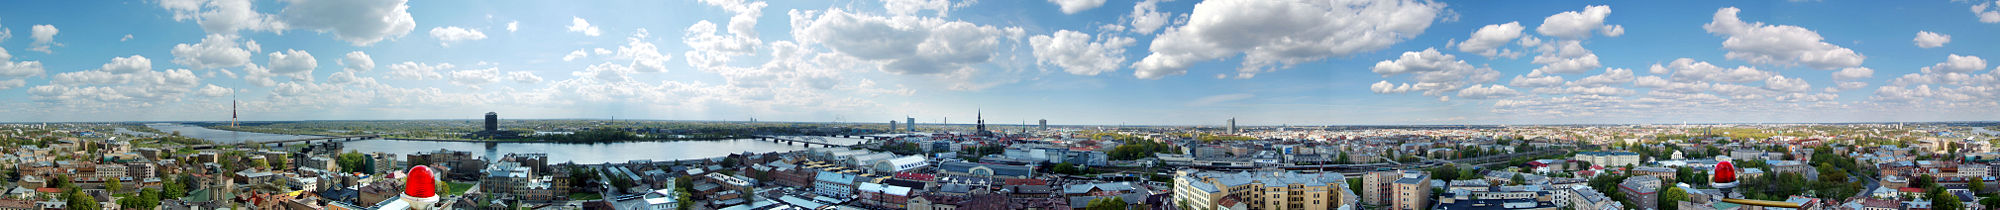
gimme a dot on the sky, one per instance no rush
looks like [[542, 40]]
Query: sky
[[1071, 62]]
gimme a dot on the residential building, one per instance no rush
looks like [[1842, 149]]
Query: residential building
[[1643, 191], [1205, 190]]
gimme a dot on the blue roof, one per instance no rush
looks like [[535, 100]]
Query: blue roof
[[825, 176]]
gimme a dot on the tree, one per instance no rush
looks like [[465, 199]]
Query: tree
[[172, 187], [112, 185], [1990, 202], [75, 199], [1671, 197], [1946, 201], [1517, 179], [1978, 186], [1112, 203]]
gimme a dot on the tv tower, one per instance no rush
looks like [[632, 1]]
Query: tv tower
[[232, 110]]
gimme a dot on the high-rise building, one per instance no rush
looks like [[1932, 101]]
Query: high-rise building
[[892, 125], [492, 121], [1045, 124], [912, 121], [1232, 125]]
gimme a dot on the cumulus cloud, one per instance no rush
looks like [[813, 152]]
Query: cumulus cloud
[[1579, 25], [1689, 70], [215, 51], [1853, 73], [1269, 33], [524, 77], [1077, 54], [573, 55], [1487, 92], [1927, 39], [357, 61], [45, 36], [1566, 57], [418, 71], [644, 55], [104, 88], [513, 26], [709, 47], [904, 45], [223, 16], [359, 22], [1986, 12], [1075, 6], [1778, 44], [450, 34], [1535, 79], [1611, 77], [577, 24], [1488, 40], [475, 78], [911, 7], [10, 68], [1146, 17], [1434, 73], [295, 63], [128, 64], [1955, 63]]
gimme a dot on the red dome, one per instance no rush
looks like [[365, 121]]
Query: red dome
[[1724, 173], [420, 183]]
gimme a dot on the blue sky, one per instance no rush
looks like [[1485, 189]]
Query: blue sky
[[1179, 62]]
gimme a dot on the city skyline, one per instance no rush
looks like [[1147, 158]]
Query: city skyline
[[1072, 62]]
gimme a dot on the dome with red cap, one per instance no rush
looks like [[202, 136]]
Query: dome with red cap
[[1724, 173], [420, 183]]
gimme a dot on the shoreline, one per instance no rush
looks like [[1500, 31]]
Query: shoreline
[[382, 137]]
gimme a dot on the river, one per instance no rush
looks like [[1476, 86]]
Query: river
[[558, 152]]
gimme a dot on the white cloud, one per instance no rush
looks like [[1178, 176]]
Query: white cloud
[[1435, 73], [215, 51], [1075, 6], [1955, 63], [1269, 33], [1927, 39], [577, 24], [1611, 77], [475, 78], [128, 64], [418, 71], [513, 26], [1575, 25], [1077, 54], [295, 63], [223, 16], [359, 22], [1146, 16], [1758, 43], [12, 83], [45, 36], [128, 37], [1689, 70], [644, 55], [357, 62], [524, 77], [1565, 57], [1535, 79], [1488, 40], [101, 88], [211, 90], [1986, 12], [710, 48], [1487, 92], [450, 34], [1781, 83], [573, 55], [911, 7], [1219, 99], [904, 44], [1853, 73], [10, 68]]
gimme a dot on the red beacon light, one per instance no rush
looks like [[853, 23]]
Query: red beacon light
[[420, 188], [1724, 175]]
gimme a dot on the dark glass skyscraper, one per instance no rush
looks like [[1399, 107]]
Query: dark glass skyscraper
[[492, 121]]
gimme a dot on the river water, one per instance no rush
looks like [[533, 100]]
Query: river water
[[558, 152]]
